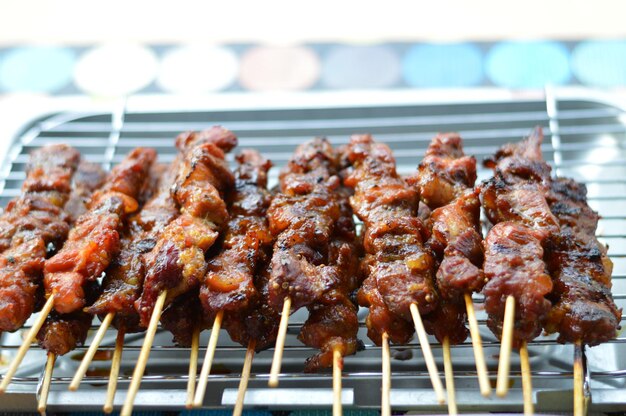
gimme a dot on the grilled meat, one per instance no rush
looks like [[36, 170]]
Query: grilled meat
[[302, 217], [445, 172], [62, 333], [397, 265], [31, 227], [177, 263], [445, 180], [123, 281], [514, 200], [229, 283], [94, 240], [583, 309], [88, 178], [333, 322]]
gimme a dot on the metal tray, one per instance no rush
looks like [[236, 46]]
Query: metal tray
[[585, 139]]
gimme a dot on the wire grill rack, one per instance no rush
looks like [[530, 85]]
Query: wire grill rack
[[585, 139]]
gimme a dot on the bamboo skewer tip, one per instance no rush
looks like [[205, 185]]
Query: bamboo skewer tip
[[337, 367], [193, 367], [527, 388], [28, 340], [579, 396], [431, 365], [115, 370], [245, 377], [447, 365], [42, 403], [385, 400], [506, 344], [477, 346], [280, 344], [208, 360], [91, 352], [135, 382]]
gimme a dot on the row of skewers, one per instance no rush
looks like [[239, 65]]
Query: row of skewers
[[193, 246]]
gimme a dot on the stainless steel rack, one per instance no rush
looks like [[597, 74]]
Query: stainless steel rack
[[585, 139]]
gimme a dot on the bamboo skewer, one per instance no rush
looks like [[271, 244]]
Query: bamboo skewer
[[30, 337], [527, 388], [115, 371], [477, 345], [245, 377], [280, 344], [93, 348], [447, 365], [385, 399], [579, 397], [506, 343], [337, 367], [135, 382], [428, 354], [208, 360], [193, 367], [42, 403]]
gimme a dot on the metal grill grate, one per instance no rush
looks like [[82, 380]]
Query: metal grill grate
[[585, 139]]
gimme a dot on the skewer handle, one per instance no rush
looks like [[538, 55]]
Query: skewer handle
[[447, 365], [579, 397], [193, 367], [477, 345], [504, 364], [42, 403], [84, 364], [527, 387], [28, 340], [385, 399], [208, 360], [280, 344], [337, 366], [428, 354], [127, 409], [245, 377], [115, 371]]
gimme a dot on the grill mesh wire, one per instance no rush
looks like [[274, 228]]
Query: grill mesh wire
[[585, 140]]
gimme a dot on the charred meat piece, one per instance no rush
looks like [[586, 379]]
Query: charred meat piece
[[302, 218], [515, 201], [62, 333], [94, 240], [445, 172], [446, 179], [182, 317], [88, 178], [583, 309], [514, 267], [333, 322], [315, 259], [32, 226], [229, 283], [397, 265], [177, 262], [123, 281], [259, 323]]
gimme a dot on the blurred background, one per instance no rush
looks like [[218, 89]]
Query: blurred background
[[118, 48]]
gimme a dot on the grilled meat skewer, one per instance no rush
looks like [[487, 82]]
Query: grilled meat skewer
[[445, 180], [177, 262], [583, 308], [124, 277], [399, 269], [32, 226], [94, 240], [514, 200]]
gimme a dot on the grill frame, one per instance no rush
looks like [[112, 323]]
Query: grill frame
[[118, 130]]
